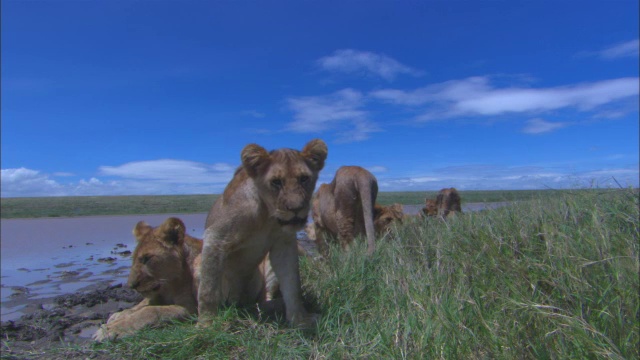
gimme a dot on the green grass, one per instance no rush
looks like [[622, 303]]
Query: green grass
[[69, 206], [555, 277], [471, 196]]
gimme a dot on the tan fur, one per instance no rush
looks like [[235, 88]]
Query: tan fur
[[384, 216], [448, 202], [430, 209], [261, 209], [165, 270], [344, 208]]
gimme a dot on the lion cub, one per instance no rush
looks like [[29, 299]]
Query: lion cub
[[345, 208], [384, 216], [166, 271], [446, 204], [259, 212]]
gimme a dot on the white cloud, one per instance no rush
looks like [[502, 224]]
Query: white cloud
[[27, 182], [155, 177], [354, 61], [377, 169], [475, 96], [539, 126], [493, 177], [24, 182], [341, 112], [168, 170], [626, 49]]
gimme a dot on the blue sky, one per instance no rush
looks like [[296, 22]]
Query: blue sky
[[160, 97]]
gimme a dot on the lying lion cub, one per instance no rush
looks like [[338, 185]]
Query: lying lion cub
[[165, 270]]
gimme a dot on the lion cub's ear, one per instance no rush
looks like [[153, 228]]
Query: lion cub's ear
[[254, 159], [141, 229], [172, 231], [315, 152]]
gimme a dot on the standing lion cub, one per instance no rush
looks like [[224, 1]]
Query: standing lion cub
[[260, 211], [345, 208]]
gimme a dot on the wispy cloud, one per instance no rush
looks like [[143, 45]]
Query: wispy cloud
[[128, 180], [168, 170], [377, 169], [341, 112], [22, 181], [540, 126], [365, 63], [134, 178], [495, 177], [476, 96], [625, 49], [621, 50]]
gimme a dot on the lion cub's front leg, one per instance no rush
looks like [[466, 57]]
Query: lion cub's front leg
[[129, 321], [210, 296], [284, 260]]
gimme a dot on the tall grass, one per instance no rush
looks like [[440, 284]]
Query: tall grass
[[549, 278]]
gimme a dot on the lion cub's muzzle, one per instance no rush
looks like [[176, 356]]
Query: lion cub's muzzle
[[293, 217]]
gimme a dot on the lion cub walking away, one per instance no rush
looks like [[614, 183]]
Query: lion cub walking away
[[446, 204], [260, 211], [344, 208], [165, 271]]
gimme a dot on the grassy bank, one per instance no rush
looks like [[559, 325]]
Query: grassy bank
[[67, 206], [556, 277], [184, 204]]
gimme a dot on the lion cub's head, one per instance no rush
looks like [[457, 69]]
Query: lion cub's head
[[384, 216], [160, 262], [285, 179], [430, 208]]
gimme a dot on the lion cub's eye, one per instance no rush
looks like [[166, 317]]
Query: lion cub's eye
[[304, 179], [145, 258], [276, 183]]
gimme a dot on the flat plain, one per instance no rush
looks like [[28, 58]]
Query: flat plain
[[70, 206]]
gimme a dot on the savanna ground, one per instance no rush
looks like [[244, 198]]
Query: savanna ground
[[555, 276]]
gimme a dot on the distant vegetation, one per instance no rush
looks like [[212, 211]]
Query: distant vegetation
[[104, 205], [553, 277], [69, 206]]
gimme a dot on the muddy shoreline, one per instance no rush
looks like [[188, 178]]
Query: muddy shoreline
[[64, 321]]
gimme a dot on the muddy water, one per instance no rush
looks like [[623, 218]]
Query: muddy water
[[43, 258]]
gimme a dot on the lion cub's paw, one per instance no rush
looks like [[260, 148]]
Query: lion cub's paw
[[307, 322], [204, 322], [103, 334]]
